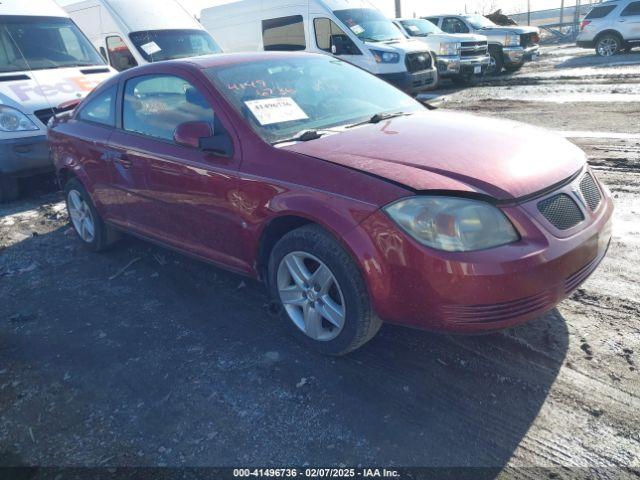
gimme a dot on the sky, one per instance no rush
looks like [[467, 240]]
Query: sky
[[418, 7]]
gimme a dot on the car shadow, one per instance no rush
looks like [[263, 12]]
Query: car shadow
[[170, 361], [594, 61]]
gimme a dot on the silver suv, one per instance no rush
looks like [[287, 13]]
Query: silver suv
[[610, 27]]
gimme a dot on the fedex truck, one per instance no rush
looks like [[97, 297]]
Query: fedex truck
[[46, 63]]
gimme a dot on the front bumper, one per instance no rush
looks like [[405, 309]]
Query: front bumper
[[412, 82], [25, 156], [518, 55], [481, 291], [453, 66]]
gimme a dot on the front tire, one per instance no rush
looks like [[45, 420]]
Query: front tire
[[9, 188], [496, 63], [321, 292], [608, 45], [94, 234]]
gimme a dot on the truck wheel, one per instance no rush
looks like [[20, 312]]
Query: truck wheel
[[9, 189], [85, 219], [608, 45], [320, 292], [496, 62]]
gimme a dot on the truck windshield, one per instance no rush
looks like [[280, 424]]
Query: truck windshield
[[419, 27], [158, 45], [369, 25], [282, 97], [478, 21], [38, 43]]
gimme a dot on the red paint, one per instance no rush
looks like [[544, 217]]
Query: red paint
[[217, 208]]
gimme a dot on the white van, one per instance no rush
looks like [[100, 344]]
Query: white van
[[134, 32], [45, 63], [352, 30]]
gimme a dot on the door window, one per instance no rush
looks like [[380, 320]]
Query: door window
[[454, 25], [120, 57], [101, 109], [632, 9], [284, 34], [600, 12], [434, 20], [325, 28], [154, 105]]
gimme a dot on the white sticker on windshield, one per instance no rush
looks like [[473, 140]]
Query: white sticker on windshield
[[151, 48], [357, 29], [413, 28], [276, 110]]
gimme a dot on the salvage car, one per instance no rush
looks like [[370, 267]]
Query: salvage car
[[611, 27], [351, 200]]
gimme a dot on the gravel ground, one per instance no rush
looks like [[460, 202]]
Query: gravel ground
[[171, 362]]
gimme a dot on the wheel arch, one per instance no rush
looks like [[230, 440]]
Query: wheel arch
[[609, 31]]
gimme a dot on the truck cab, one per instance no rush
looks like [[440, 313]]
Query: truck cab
[[510, 47], [129, 34], [46, 64], [461, 57], [351, 30]]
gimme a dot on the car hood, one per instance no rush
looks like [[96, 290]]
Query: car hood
[[508, 29], [455, 37], [453, 151]]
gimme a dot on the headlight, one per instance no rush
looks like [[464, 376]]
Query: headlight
[[511, 40], [12, 120], [452, 224], [447, 49], [385, 57]]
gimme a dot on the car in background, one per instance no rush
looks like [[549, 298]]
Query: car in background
[[130, 33], [461, 57], [510, 47], [351, 30], [353, 202], [46, 64], [611, 27]]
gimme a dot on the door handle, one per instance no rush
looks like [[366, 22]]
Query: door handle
[[621, 20], [122, 159]]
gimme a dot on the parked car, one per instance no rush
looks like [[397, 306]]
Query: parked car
[[45, 62], [510, 47], [134, 33], [351, 30], [350, 199], [611, 27], [461, 57]]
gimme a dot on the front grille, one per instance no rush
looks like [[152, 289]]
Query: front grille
[[417, 62], [473, 49], [590, 192], [561, 211]]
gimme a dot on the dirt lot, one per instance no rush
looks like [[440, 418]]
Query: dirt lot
[[175, 363]]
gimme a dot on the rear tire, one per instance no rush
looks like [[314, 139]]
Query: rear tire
[[608, 45], [326, 282], [9, 188], [94, 234]]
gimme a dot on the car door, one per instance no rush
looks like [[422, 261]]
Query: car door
[[629, 21], [186, 199]]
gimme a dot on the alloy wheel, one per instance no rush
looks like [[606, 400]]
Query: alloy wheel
[[81, 216], [607, 47], [311, 296]]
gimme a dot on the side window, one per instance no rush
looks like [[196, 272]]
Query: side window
[[101, 108], [284, 34], [325, 28], [433, 20], [632, 9], [600, 12], [154, 105], [120, 57], [454, 25]]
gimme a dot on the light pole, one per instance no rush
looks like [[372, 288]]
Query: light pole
[[398, 8]]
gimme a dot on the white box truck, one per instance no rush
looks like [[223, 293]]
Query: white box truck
[[134, 32], [45, 63], [352, 30]]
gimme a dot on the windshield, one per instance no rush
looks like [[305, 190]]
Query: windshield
[[369, 25], [419, 27], [282, 97], [478, 21], [158, 45], [37, 43]]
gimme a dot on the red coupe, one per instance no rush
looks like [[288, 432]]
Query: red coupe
[[351, 200]]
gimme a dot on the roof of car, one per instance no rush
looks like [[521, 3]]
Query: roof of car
[[223, 59]]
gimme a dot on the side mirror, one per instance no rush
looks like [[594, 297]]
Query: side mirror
[[190, 134], [339, 44]]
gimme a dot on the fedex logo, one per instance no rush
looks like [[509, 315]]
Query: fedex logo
[[78, 85]]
